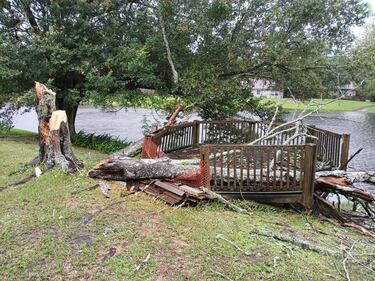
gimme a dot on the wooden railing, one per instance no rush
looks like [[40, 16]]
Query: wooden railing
[[176, 137], [192, 134], [331, 147], [278, 173]]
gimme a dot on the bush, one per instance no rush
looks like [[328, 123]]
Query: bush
[[104, 143]]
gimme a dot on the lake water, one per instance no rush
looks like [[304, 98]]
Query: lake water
[[127, 124]]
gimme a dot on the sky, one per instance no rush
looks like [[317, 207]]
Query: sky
[[359, 31]]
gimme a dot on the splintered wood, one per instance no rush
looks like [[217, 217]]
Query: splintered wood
[[174, 194]]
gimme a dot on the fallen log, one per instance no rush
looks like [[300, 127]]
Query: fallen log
[[125, 168], [118, 167]]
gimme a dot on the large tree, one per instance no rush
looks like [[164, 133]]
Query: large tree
[[201, 51], [363, 63], [76, 47]]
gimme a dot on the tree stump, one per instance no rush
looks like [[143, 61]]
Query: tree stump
[[55, 147]]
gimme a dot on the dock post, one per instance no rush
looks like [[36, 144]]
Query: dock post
[[195, 136], [344, 151], [309, 175]]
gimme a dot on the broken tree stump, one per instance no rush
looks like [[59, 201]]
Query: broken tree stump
[[55, 147]]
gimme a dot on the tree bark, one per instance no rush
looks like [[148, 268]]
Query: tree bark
[[45, 100], [55, 147], [71, 112], [120, 167], [125, 168]]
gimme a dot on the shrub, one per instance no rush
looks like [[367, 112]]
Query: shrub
[[104, 142]]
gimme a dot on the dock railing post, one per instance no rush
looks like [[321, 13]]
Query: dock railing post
[[195, 136], [344, 151], [309, 175]]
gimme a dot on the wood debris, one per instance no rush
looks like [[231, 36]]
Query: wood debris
[[174, 194]]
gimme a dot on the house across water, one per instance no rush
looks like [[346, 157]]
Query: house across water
[[266, 89]]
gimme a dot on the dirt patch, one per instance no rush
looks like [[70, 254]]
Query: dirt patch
[[260, 255], [81, 237], [37, 233], [147, 225]]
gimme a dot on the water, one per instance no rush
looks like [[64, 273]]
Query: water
[[127, 124], [361, 127], [124, 124]]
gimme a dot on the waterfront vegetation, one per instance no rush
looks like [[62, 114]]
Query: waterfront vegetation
[[335, 106]]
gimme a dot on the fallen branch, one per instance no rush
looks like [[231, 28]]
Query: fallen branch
[[24, 180], [90, 188], [360, 228], [173, 116], [131, 150], [138, 267], [342, 166], [87, 219], [214, 195], [300, 243], [220, 274], [344, 263], [221, 236]]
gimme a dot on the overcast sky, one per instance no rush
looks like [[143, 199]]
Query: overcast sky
[[360, 30]]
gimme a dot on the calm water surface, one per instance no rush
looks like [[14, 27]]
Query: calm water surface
[[127, 124]]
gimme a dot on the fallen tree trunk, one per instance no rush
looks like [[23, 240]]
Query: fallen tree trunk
[[125, 168], [119, 167]]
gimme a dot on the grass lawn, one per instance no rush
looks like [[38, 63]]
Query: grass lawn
[[371, 109], [338, 105], [54, 228]]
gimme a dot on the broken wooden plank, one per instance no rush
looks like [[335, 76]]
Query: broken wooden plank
[[170, 187], [192, 191]]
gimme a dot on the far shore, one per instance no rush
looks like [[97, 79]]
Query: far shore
[[336, 106]]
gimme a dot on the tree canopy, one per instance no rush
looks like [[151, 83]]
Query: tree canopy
[[363, 64], [197, 51]]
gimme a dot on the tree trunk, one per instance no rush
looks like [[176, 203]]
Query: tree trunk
[[124, 168], [55, 147], [71, 112], [45, 100]]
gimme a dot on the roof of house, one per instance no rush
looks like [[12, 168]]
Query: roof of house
[[263, 85], [349, 86]]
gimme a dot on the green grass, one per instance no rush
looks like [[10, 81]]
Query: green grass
[[43, 234], [338, 105], [371, 109]]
